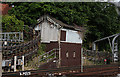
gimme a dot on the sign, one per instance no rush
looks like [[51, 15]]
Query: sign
[[25, 73], [20, 62]]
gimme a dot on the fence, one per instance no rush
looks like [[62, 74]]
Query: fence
[[11, 36], [97, 57], [27, 49]]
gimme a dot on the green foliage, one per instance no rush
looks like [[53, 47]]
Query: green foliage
[[27, 35], [103, 21], [100, 19], [0, 23], [67, 12], [41, 49], [11, 24]]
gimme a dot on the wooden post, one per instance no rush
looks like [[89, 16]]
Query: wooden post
[[23, 63], [8, 37], [15, 37], [22, 36], [5, 36], [15, 59], [0, 62], [0, 46], [81, 59], [0, 57], [19, 36], [59, 32], [55, 54], [0, 36]]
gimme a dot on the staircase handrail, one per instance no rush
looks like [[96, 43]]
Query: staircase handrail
[[55, 49]]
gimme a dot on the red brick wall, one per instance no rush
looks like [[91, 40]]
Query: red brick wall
[[51, 45], [69, 61], [48, 65], [70, 48], [4, 8]]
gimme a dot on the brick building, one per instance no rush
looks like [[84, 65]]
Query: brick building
[[68, 39]]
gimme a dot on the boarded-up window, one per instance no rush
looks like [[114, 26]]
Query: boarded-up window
[[63, 35], [73, 54], [67, 54]]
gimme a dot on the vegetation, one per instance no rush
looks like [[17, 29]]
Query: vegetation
[[34, 63], [99, 19], [12, 24], [41, 49], [28, 33]]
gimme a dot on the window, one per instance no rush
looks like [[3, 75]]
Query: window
[[74, 54], [63, 35], [67, 54]]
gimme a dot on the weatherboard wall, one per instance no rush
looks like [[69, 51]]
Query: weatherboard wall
[[49, 32], [71, 36]]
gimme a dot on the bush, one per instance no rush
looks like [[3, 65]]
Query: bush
[[11, 24]]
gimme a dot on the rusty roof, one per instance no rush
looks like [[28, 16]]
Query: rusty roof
[[75, 27]]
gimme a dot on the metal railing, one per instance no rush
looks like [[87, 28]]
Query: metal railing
[[52, 54], [11, 36], [24, 49]]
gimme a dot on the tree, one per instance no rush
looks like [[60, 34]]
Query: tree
[[11, 24], [100, 19], [103, 21], [67, 12]]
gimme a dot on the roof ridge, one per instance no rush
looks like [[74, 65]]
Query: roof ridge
[[58, 22]]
